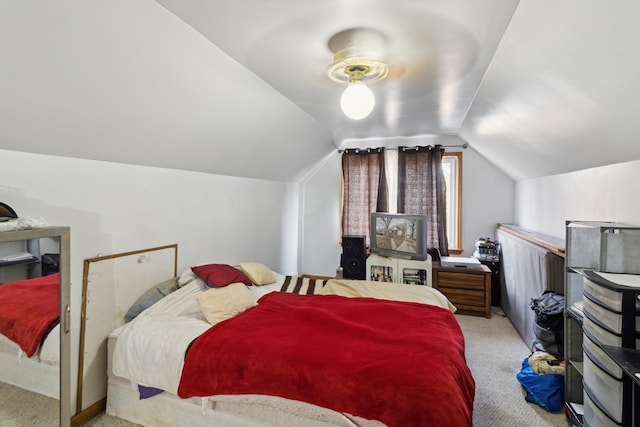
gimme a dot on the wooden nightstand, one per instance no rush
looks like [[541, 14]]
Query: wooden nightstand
[[468, 288]]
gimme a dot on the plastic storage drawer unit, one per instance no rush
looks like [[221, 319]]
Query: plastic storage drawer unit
[[602, 359], [605, 389], [594, 417], [608, 289], [607, 297], [610, 319], [600, 335]]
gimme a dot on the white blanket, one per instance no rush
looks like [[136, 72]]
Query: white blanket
[[150, 349], [22, 224]]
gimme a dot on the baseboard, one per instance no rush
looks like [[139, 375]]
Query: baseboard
[[89, 413]]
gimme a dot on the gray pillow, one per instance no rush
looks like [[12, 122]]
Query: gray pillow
[[150, 297]]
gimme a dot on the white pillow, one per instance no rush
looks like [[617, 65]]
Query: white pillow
[[187, 276], [218, 304], [259, 274]]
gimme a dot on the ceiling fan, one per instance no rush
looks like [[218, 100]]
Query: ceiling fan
[[358, 61]]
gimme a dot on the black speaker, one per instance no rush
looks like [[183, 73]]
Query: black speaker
[[354, 257]]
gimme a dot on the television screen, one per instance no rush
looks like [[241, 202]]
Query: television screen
[[399, 235]]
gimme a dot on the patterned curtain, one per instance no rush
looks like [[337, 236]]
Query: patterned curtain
[[364, 189], [422, 190]]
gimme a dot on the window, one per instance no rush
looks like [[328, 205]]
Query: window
[[452, 171]]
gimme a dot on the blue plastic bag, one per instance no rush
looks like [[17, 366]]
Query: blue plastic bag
[[546, 390]]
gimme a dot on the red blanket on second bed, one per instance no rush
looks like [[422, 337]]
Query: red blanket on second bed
[[400, 363], [29, 309]]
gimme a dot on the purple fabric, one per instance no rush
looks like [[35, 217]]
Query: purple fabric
[[147, 392]]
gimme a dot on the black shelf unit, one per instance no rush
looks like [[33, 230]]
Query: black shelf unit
[[496, 293], [19, 262], [23, 253]]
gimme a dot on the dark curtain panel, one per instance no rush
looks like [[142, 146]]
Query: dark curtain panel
[[422, 190], [364, 189]]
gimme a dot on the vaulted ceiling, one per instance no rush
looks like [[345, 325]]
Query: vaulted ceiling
[[240, 88]]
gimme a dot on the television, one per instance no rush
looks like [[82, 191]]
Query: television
[[398, 235]]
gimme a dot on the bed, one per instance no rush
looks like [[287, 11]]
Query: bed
[[278, 350], [30, 334]]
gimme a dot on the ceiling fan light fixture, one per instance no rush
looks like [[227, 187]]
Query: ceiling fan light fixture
[[357, 101], [357, 62], [369, 70]]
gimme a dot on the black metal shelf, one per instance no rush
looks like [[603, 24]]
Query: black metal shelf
[[31, 260]]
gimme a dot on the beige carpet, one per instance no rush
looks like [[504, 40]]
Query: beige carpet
[[19, 408], [494, 354]]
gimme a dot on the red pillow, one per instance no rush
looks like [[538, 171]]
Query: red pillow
[[219, 275]]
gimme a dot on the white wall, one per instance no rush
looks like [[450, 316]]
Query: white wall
[[487, 199], [607, 193], [320, 228], [114, 208]]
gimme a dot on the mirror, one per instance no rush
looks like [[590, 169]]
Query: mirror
[[35, 374]]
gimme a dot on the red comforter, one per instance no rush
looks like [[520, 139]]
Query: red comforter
[[29, 309], [397, 362]]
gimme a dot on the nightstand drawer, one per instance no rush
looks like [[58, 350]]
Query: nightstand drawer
[[468, 288], [461, 280], [460, 297]]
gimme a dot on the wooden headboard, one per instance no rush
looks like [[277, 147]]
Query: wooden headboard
[[110, 286]]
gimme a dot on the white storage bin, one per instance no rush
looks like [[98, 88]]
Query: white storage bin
[[607, 297], [610, 319], [606, 246], [594, 417], [606, 390], [598, 355], [600, 335], [622, 252], [584, 239]]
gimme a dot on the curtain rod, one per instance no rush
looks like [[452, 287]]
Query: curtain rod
[[464, 146]]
